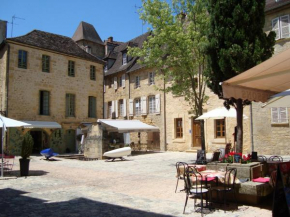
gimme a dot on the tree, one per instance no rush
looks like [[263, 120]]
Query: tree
[[236, 43], [176, 48]]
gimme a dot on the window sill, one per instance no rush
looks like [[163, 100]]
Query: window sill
[[178, 140], [279, 124], [219, 140]]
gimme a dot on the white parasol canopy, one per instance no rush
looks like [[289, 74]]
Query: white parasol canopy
[[219, 113], [4, 123]]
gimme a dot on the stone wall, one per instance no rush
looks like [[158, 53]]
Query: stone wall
[[3, 67], [93, 144]]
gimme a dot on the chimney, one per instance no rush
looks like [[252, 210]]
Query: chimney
[[3, 30], [110, 39]]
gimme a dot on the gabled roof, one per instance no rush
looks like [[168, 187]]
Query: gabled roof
[[132, 63], [53, 42], [86, 31], [273, 4]]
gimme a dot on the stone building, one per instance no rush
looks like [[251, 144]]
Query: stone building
[[133, 92], [271, 132], [52, 83]]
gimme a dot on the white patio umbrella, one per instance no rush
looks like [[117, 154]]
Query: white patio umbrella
[[4, 123], [219, 113]]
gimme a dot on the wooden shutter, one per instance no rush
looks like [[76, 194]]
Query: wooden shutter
[[105, 110], [144, 105], [275, 27], [131, 107], [283, 115], [274, 114], [113, 109], [116, 109], [157, 103], [123, 80], [115, 83], [124, 108], [284, 26]]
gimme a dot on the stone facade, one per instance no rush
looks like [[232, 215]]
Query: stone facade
[[269, 138], [24, 86]]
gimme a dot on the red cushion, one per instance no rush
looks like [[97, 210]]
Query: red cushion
[[261, 179]]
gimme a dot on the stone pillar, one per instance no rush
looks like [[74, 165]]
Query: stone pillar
[[94, 143]]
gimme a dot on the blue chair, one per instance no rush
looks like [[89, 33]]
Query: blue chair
[[48, 153]]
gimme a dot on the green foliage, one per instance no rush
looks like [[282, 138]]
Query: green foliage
[[237, 41], [176, 47], [27, 146]]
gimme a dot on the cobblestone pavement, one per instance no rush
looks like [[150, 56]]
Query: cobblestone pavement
[[143, 185]]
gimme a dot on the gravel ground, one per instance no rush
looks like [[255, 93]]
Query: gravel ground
[[143, 185]]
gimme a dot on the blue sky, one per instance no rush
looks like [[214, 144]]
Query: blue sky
[[117, 18]]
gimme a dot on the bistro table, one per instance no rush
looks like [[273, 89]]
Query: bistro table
[[199, 168], [219, 175]]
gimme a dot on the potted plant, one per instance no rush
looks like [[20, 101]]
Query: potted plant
[[26, 151]]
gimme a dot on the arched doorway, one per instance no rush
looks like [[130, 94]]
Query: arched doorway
[[40, 139], [70, 138]]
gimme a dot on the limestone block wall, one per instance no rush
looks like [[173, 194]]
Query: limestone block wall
[[25, 84], [3, 71], [269, 139], [93, 143]]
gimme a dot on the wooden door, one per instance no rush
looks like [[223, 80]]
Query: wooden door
[[196, 134]]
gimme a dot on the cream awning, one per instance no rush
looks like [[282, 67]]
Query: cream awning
[[262, 81], [127, 126], [42, 124]]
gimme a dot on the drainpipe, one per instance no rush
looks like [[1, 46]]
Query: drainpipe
[[252, 136], [7, 78], [129, 90], [164, 105], [104, 95]]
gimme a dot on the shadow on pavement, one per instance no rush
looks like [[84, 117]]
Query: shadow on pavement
[[16, 203]]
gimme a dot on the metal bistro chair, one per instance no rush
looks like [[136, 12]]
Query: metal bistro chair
[[262, 158], [180, 175], [228, 186], [194, 188], [276, 158]]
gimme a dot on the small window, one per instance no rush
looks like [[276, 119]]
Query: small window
[[71, 68], [92, 107], [120, 82], [124, 58], [121, 108], [137, 81], [45, 63], [279, 115], [70, 105], [151, 78], [220, 128], [152, 104], [280, 25], [88, 49], [178, 128], [93, 73], [22, 59], [110, 109], [137, 106], [44, 103]]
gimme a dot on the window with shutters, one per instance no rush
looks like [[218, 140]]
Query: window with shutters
[[120, 82], [152, 105], [71, 68], [219, 128], [22, 59], [137, 106], [151, 78], [137, 81], [44, 103], [70, 105], [279, 115], [121, 108], [178, 127], [45, 63], [280, 25], [92, 72], [92, 107]]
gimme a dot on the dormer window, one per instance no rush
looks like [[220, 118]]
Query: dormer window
[[124, 58], [88, 49]]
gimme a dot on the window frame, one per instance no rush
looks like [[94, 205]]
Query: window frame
[[45, 63], [110, 109], [71, 68], [92, 108], [121, 108], [70, 105], [279, 29], [22, 59], [92, 73], [151, 79], [124, 58], [178, 128], [279, 114], [137, 110], [137, 81], [220, 127], [44, 103], [152, 104]]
